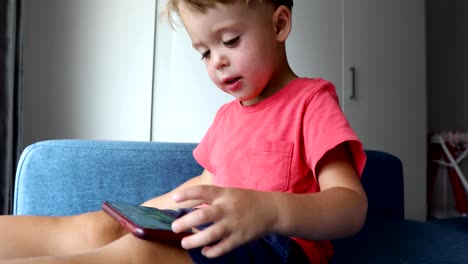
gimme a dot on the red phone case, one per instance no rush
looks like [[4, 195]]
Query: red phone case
[[162, 235]]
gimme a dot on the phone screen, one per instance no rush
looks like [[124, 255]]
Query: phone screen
[[145, 217]]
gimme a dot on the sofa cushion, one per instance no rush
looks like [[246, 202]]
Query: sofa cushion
[[403, 242], [457, 223]]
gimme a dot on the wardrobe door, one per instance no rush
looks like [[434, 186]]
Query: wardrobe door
[[385, 87], [314, 45]]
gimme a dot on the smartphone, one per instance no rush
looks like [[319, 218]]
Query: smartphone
[[144, 222]]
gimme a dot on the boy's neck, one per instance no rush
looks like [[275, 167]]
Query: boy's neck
[[282, 76]]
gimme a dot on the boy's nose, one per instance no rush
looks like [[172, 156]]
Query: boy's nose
[[220, 61]]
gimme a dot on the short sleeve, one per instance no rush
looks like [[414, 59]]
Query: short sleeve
[[203, 152], [325, 127]]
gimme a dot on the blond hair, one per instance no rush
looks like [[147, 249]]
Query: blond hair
[[172, 6]]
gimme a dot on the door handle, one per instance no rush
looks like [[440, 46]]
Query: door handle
[[352, 89]]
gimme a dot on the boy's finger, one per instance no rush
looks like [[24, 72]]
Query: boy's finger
[[196, 218], [220, 248], [205, 193], [208, 236]]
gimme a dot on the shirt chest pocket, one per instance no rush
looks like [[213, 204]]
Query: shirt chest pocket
[[269, 165]]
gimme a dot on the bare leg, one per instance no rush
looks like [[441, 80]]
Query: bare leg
[[127, 249], [28, 236]]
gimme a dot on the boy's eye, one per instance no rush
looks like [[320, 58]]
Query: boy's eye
[[205, 55], [232, 42]]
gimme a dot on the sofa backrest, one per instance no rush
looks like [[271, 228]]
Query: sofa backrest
[[382, 179], [66, 177], [63, 177]]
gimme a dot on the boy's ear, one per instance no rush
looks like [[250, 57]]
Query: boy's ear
[[282, 22]]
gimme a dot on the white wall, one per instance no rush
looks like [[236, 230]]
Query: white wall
[[185, 99], [88, 69]]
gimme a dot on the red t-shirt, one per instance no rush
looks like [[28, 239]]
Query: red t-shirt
[[276, 144]]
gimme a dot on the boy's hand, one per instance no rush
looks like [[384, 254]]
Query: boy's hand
[[238, 216]]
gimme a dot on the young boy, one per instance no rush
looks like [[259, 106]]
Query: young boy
[[281, 162]]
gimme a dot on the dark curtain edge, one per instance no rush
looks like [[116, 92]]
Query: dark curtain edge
[[6, 72], [18, 95], [11, 82]]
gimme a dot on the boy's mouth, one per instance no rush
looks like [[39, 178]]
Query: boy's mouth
[[232, 84], [231, 80]]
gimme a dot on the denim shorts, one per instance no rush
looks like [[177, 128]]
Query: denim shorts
[[272, 249]]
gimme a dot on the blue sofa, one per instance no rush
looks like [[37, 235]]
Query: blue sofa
[[64, 177]]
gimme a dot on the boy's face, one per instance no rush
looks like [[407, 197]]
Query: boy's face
[[239, 46]]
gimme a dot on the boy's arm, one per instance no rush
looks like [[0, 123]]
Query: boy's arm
[[338, 210], [241, 215], [165, 201]]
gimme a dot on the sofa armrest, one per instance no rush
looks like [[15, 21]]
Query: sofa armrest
[[66, 177]]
